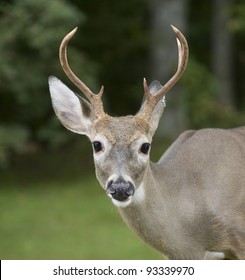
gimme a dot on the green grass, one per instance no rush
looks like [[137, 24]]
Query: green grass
[[52, 207], [49, 210]]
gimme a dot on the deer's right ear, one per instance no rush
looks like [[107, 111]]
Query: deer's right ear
[[74, 112]]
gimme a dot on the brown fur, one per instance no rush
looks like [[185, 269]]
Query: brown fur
[[127, 128]]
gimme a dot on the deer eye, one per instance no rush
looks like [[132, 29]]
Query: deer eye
[[144, 149], [97, 146]]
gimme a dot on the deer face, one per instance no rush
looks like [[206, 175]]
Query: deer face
[[121, 149], [121, 145]]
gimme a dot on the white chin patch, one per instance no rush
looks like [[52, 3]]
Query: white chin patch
[[139, 195], [122, 204], [211, 255], [137, 198]]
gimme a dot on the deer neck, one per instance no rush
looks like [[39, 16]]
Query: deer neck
[[139, 215]]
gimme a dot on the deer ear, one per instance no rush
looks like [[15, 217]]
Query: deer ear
[[74, 112], [154, 87]]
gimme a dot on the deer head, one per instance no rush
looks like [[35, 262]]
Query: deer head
[[121, 145]]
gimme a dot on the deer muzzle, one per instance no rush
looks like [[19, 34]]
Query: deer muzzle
[[120, 189]]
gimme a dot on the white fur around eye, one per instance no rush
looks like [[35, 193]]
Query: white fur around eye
[[143, 158], [105, 147]]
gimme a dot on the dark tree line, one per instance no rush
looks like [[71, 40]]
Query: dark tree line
[[117, 44]]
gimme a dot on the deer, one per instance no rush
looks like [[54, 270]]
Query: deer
[[188, 205]]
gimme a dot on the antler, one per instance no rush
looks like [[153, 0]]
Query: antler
[[94, 99], [153, 99]]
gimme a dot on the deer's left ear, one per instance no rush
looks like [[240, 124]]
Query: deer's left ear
[[154, 87]]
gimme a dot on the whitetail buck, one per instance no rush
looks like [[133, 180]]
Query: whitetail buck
[[188, 205]]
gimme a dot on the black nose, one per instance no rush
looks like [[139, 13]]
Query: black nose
[[120, 189]]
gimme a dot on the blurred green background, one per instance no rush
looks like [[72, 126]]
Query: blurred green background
[[51, 206]]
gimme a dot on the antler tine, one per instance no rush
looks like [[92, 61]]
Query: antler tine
[[183, 53], [95, 99]]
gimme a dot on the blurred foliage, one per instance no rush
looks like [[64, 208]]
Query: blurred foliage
[[115, 35], [237, 27], [203, 108], [119, 40], [237, 23], [12, 138], [30, 36]]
